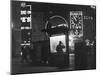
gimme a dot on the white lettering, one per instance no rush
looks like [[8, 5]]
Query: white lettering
[[23, 12], [23, 19], [28, 12], [28, 19]]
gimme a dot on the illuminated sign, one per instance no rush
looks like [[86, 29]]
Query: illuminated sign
[[25, 19], [60, 25], [88, 17], [24, 12], [25, 15], [76, 23], [26, 23]]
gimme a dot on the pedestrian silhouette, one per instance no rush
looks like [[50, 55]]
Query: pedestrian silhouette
[[24, 54], [60, 47]]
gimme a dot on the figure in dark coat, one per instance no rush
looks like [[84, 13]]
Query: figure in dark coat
[[60, 47], [24, 54]]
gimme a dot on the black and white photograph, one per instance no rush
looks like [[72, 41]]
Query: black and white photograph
[[52, 37]]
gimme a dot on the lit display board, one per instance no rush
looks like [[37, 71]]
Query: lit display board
[[26, 24], [54, 41], [76, 23]]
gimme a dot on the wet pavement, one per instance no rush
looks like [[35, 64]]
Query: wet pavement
[[26, 67]]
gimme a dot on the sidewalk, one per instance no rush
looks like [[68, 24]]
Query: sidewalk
[[19, 67]]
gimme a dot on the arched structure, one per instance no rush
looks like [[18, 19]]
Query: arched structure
[[56, 16]]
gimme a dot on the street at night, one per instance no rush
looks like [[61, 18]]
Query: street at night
[[52, 37]]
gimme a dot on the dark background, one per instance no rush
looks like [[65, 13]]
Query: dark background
[[40, 14]]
